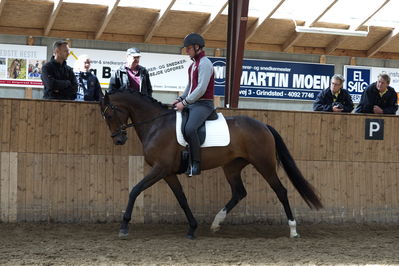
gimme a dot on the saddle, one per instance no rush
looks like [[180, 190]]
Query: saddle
[[201, 130], [217, 135]]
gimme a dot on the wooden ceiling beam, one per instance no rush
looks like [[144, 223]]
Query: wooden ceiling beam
[[56, 9], [158, 20], [339, 39], [212, 18], [381, 43], [114, 37], [259, 22], [110, 12], [297, 35], [2, 4]]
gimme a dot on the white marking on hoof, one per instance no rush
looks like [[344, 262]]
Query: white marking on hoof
[[293, 233], [219, 218]]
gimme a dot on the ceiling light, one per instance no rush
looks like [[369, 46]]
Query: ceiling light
[[317, 30]]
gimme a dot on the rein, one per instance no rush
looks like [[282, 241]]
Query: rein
[[123, 127]]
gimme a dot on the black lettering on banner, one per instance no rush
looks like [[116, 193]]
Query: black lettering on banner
[[374, 129], [106, 72]]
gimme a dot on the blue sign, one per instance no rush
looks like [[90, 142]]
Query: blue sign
[[357, 80], [276, 79]]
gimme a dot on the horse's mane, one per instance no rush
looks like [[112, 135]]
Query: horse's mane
[[146, 98]]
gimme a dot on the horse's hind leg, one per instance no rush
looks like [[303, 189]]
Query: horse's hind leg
[[272, 178], [232, 171], [177, 189]]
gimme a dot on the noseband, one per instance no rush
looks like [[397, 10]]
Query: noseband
[[122, 128]]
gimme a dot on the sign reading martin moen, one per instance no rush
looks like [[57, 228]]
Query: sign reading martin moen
[[276, 79], [374, 129]]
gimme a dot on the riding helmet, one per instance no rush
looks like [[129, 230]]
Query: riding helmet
[[192, 39]]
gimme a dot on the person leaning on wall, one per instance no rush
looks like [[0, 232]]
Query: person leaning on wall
[[58, 78], [379, 97], [335, 98], [89, 88], [132, 76]]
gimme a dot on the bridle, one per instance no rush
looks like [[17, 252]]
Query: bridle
[[122, 128]]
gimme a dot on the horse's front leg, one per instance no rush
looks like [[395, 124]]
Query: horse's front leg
[[151, 178], [177, 189]]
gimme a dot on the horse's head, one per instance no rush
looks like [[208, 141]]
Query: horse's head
[[116, 118]]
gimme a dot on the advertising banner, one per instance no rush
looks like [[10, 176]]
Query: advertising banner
[[276, 79], [358, 78], [21, 65], [168, 72]]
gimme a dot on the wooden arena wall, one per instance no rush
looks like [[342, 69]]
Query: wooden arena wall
[[58, 164]]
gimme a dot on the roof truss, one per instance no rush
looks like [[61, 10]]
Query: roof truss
[[212, 18], [297, 35], [54, 13], [110, 12], [158, 20], [333, 45], [2, 3], [260, 21]]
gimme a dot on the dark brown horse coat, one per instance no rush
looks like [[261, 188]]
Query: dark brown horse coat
[[251, 142]]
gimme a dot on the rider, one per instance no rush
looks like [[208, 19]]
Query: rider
[[198, 96]]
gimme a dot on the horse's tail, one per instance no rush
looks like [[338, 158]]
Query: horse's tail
[[304, 188]]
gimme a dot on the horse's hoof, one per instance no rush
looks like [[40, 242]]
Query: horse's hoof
[[191, 237], [215, 229], [123, 233], [296, 236]]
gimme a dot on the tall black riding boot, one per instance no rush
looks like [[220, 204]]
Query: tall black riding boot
[[195, 163]]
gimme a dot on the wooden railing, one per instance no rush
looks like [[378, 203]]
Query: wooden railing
[[58, 163]]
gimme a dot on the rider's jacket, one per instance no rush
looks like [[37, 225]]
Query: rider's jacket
[[201, 80]]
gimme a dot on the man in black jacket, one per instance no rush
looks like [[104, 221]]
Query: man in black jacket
[[379, 98], [58, 78], [335, 98], [132, 77]]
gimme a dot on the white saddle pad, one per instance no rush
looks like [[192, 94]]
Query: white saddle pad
[[217, 132]]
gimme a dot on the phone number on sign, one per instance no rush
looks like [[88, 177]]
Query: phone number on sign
[[301, 94]]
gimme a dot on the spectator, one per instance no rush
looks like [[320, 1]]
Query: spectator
[[132, 77], [335, 98], [58, 78], [89, 88], [379, 98]]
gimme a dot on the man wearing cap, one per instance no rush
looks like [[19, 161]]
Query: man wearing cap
[[132, 76]]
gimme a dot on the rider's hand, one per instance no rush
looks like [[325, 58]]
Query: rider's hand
[[176, 101], [179, 106]]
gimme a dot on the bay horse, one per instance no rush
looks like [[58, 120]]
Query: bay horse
[[251, 142]]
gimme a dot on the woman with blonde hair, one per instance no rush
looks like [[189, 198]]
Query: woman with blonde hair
[[89, 88]]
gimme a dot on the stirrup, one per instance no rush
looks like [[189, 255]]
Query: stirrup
[[194, 169]]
